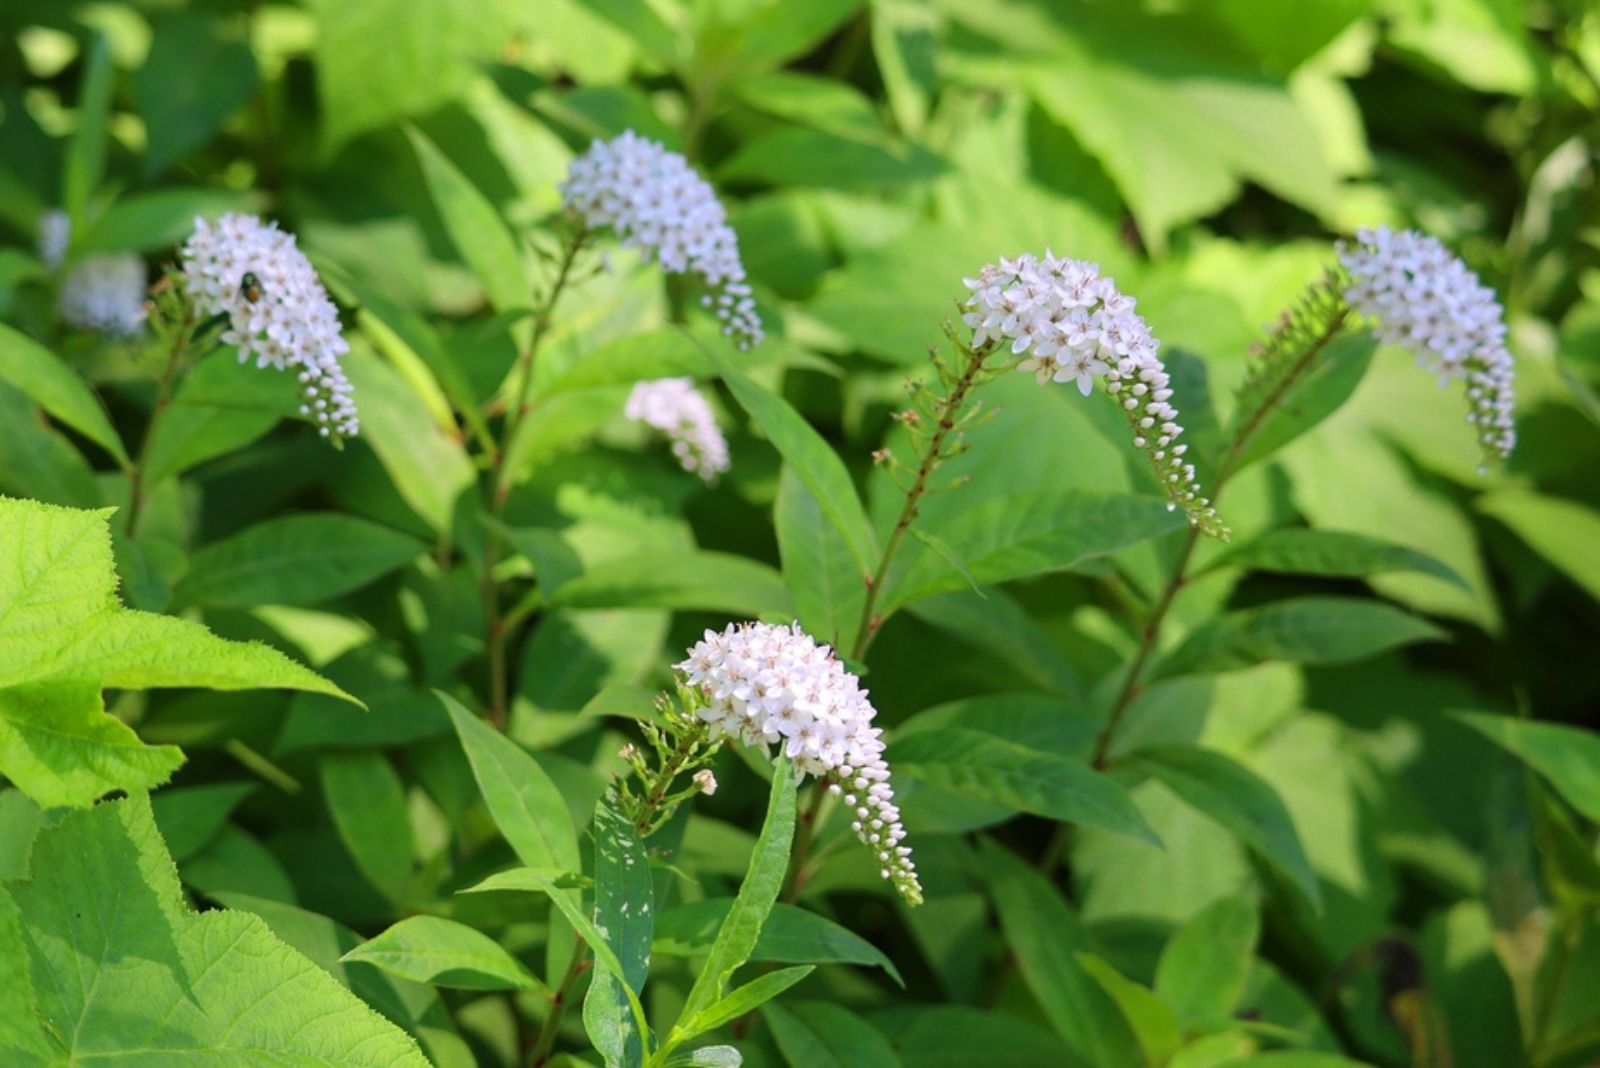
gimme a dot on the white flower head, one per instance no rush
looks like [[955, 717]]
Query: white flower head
[[1071, 324], [655, 202], [106, 293], [674, 407], [55, 234], [1423, 298], [277, 310], [706, 781], [764, 683]]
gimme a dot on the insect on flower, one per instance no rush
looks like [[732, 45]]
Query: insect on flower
[[250, 288]]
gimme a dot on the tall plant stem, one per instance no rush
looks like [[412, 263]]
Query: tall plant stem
[[500, 475], [137, 490], [539, 1054], [949, 407]]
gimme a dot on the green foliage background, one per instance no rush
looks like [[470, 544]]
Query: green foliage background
[[1366, 760]]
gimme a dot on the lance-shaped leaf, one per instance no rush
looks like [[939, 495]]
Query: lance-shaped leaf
[[1300, 551], [432, 949], [54, 386], [1310, 630], [624, 912]]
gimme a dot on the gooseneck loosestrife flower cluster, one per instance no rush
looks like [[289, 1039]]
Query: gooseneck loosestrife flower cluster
[[104, 293], [681, 412], [655, 202], [763, 683], [1426, 300], [1072, 324], [252, 273]]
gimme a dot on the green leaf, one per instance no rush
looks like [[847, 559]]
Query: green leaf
[[64, 636], [706, 1057], [643, 25], [294, 560], [812, 458], [85, 166], [475, 227], [199, 72], [190, 816], [825, 584], [1241, 801], [1314, 396], [160, 218], [1564, 532], [432, 949], [1152, 1022], [1046, 937], [791, 935], [367, 801], [737, 937], [122, 969], [1030, 533], [56, 388], [820, 1034], [525, 803], [745, 999], [1311, 630], [1205, 963], [1569, 757], [624, 911], [794, 156], [956, 1036], [1300, 551], [39, 461], [698, 581], [827, 105], [988, 768]]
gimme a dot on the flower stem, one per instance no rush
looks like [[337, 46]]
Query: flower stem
[[949, 406], [539, 1054], [805, 837], [137, 490], [500, 475]]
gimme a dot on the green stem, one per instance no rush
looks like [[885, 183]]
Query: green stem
[[500, 476], [867, 628], [539, 1054], [805, 838], [137, 490]]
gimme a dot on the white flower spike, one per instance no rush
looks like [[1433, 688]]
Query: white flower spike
[[277, 310], [1426, 300], [1071, 324], [681, 412], [764, 683], [656, 203], [55, 234], [106, 293]]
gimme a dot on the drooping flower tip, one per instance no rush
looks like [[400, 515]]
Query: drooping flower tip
[[681, 412], [655, 202], [1072, 324], [763, 683], [277, 310], [106, 293], [55, 234], [1425, 299]]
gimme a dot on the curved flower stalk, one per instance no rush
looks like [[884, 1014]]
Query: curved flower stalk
[[252, 273], [655, 202], [1071, 324], [1423, 298], [681, 412], [106, 293]]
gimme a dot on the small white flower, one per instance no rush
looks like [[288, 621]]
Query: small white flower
[[1425, 299], [106, 293], [674, 407], [656, 203], [277, 310], [1075, 326], [55, 234], [706, 781], [764, 683]]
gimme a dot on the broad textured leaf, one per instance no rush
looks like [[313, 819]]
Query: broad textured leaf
[[1301, 551], [1205, 963], [812, 458], [1564, 532], [123, 971], [64, 636], [699, 581], [624, 911], [791, 935], [56, 388], [475, 227], [1046, 936], [294, 560], [1151, 1021], [525, 803], [1311, 630], [1569, 757], [432, 949], [1241, 801], [819, 1034], [367, 801], [736, 938], [988, 768], [746, 998], [1028, 533]]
